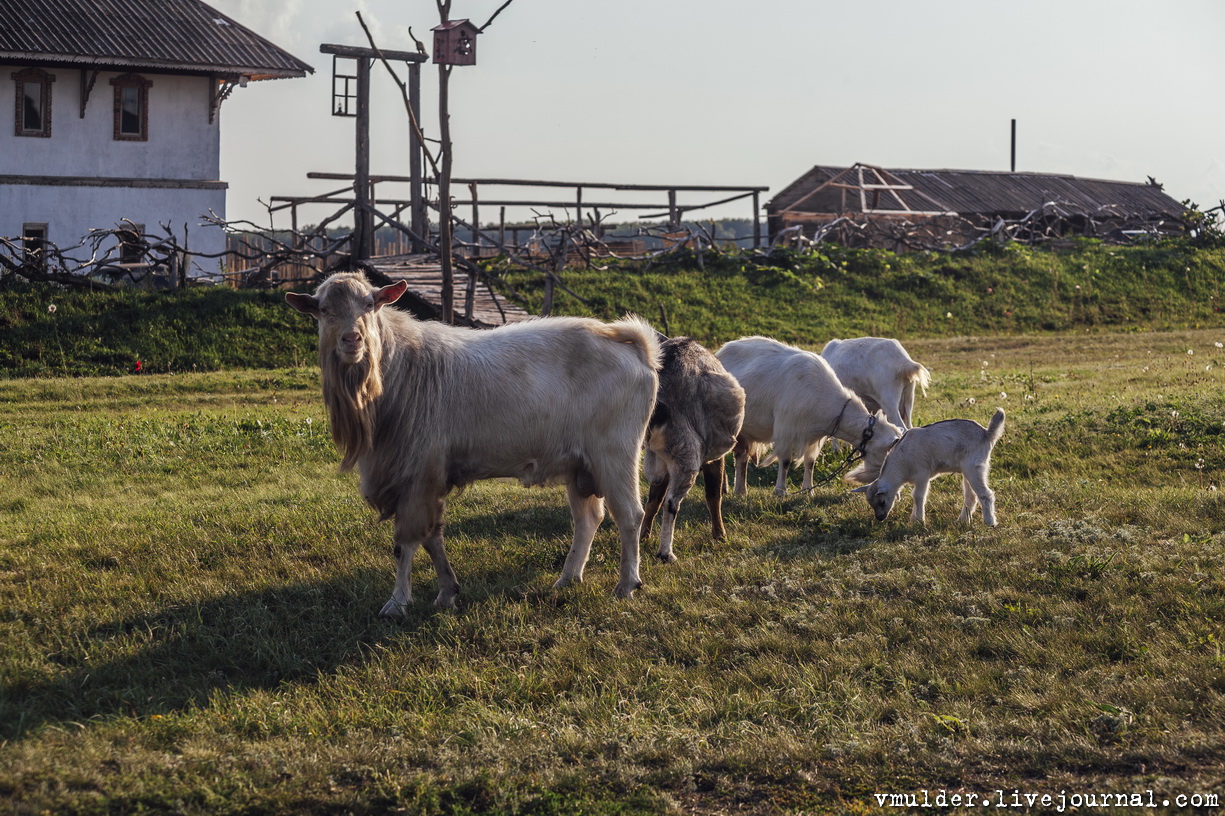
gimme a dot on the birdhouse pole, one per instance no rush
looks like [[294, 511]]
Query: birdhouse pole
[[454, 44]]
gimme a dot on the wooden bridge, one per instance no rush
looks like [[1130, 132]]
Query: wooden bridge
[[423, 274]]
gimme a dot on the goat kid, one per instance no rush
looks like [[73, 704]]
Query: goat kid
[[950, 446], [421, 408], [698, 413]]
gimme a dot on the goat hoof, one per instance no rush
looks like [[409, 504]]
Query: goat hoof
[[393, 610], [667, 558], [622, 591], [445, 601], [566, 580]]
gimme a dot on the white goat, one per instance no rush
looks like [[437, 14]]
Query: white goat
[[698, 414], [421, 408], [950, 446], [880, 371], [794, 401]]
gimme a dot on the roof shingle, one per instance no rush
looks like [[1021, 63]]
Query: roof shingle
[[180, 35], [976, 192]]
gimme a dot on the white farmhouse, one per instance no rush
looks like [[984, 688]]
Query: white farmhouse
[[115, 116]]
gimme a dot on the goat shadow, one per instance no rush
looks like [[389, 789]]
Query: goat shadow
[[180, 656]]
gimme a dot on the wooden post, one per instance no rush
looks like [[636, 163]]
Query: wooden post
[[444, 195], [417, 218], [476, 218], [756, 222], [674, 221], [363, 224]]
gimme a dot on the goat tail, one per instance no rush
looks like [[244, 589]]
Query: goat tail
[[639, 333], [996, 429], [920, 376]]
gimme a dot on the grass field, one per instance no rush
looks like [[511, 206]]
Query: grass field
[[188, 599]]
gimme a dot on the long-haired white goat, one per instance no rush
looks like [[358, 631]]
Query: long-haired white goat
[[420, 408], [794, 401], [949, 446]]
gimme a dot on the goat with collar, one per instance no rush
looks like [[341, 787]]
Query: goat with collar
[[950, 446]]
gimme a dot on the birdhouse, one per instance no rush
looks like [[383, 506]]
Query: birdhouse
[[455, 43]]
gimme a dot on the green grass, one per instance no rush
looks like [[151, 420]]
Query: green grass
[[54, 332], [809, 296], [188, 599]]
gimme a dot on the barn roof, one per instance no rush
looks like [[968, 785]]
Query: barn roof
[[824, 189], [173, 35]]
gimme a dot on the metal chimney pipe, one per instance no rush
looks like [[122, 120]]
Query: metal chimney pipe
[[1014, 146]]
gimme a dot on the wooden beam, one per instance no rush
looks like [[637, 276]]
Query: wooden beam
[[357, 52], [537, 183]]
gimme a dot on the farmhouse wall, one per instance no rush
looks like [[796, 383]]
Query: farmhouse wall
[[83, 178], [182, 143], [70, 211]]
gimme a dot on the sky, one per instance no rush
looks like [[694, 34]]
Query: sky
[[751, 93]]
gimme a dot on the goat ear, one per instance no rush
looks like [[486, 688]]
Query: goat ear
[[862, 488], [390, 294], [303, 303]]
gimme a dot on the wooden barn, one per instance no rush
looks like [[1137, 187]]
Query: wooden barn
[[868, 205]]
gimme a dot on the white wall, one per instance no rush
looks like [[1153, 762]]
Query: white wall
[[182, 143], [183, 146], [70, 212]]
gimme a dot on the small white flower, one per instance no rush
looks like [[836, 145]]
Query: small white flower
[[1003, 395], [1029, 396], [1190, 352], [948, 314], [971, 401], [1174, 414], [51, 309], [1219, 344]]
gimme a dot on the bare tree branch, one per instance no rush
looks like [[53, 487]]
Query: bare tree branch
[[488, 22]]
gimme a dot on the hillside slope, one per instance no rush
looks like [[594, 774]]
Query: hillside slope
[[802, 297]]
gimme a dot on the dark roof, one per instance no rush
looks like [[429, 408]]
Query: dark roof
[[174, 35], [966, 192]]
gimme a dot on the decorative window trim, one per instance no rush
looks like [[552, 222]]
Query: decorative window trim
[[20, 78], [132, 245], [132, 81]]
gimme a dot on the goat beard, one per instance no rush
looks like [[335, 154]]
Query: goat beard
[[351, 391]]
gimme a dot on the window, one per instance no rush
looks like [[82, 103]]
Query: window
[[33, 102], [131, 244], [33, 244], [131, 108]]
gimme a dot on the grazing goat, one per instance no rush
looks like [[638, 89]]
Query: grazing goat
[[950, 446], [422, 407], [880, 371], [794, 401], [698, 413]]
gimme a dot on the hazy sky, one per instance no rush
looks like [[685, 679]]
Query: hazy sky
[[755, 93]]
